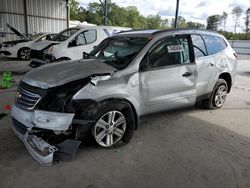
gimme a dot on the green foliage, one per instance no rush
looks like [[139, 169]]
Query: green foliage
[[213, 22], [195, 25], [131, 17], [118, 16], [74, 9], [235, 36]]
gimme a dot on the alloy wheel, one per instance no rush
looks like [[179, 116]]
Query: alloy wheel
[[25, 54], [110, 128], [220, 96]]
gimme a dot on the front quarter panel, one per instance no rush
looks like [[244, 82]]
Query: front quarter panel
[[126, 87]]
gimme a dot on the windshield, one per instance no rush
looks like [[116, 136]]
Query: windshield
[[65, 34], [118, 52]]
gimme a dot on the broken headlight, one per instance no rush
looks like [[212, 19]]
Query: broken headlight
[[59, 99]]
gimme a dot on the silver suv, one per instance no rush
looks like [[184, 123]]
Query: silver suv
[[103, 96]]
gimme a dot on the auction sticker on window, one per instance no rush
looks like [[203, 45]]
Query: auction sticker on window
[[175, 48]]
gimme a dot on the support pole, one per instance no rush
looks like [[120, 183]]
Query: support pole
[[176, 13], [106, 12], [25, 18]]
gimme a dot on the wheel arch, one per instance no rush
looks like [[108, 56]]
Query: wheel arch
[[130, 105], [63, 59], [90, 109], [227, 77]]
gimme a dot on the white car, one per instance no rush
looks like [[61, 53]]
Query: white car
[[71, 43], [21, 48]]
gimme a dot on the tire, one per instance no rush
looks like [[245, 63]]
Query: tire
[[24, 53], [218, 95], [114, 124]]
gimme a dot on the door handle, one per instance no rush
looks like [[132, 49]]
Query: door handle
[[187, 74], [210, 64]]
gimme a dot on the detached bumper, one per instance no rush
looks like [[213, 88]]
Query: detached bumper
[[24, 121], [39, 149], [43, 119]]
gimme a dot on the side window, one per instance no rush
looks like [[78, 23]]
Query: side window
[[85, 37], [199, 46], [90, 36], [171, 51], [214, 44], [80, 39]]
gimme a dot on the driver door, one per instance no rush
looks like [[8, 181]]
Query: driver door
[[168, 75]]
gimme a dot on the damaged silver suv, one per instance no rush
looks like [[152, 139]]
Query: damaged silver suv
[[103, 96]]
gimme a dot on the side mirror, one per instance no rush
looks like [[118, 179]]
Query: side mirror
[[85, 55]]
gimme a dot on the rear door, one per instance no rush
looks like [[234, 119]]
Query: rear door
[[205, 65], [167, 75]]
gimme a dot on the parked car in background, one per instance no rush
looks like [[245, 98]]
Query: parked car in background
[[71, 43], [127, 76], [21, 48]]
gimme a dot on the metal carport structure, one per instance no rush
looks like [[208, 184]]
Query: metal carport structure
[[33, 16]]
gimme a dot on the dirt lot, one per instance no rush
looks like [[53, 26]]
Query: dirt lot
[[187, 148]]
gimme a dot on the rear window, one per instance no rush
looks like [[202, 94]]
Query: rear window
[[214, 44]]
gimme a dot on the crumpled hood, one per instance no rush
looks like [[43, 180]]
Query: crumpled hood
[[57, 74], [43, 44]]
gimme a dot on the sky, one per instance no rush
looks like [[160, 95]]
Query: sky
[[191, 10]]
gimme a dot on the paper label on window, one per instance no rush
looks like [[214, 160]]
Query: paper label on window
[[175, 48]]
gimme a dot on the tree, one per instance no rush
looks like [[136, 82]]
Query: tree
[[247, 19], [195, 25], [133, 17], [153, 22], [236, 12], [223, 19], [74, 5], [118, 16], [213, 22], [94, 13], [181, 22]]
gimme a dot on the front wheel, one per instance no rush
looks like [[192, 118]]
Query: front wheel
[[218, 95], [24, 54], [114, 125]]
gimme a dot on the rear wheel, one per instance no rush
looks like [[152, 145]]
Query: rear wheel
[[24, 53], [218, 96]]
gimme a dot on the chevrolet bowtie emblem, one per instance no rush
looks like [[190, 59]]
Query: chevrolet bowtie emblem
[[18, 95]]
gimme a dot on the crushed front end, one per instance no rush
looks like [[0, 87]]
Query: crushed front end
[[44, 120]]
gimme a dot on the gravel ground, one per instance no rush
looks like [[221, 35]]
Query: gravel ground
[[183, 148]]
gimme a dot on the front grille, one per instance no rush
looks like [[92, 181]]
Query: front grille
[[28, 96]]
